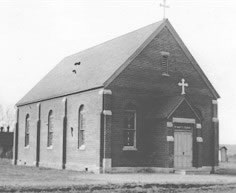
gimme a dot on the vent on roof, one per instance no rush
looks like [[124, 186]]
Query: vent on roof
[[164, 63]]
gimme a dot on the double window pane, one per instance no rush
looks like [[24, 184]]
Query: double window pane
[[129, 128]]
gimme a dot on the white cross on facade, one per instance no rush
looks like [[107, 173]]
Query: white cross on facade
[[183, 85], [164, 8]]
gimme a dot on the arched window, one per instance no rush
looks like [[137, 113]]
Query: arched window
[[81, 127], [27, 129], [50, 128], [130, 126]]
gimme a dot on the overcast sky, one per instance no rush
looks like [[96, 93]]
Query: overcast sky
[[35, 35]]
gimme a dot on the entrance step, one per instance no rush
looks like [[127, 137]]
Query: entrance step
[[195, 171], [181, 172], [198, 172]]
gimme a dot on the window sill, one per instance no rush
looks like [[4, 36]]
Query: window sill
[[82, 147], [129, 148], [50, 147], [165, 74], [27, 147]]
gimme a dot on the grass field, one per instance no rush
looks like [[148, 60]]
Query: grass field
[[32, 179]]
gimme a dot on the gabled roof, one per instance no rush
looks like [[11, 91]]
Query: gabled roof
[[168, 105], [97, 64], [100, 65], [223, 147]]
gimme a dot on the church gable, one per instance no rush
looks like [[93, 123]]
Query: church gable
[[146, 70]]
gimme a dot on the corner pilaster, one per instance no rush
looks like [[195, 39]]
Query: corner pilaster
[[16, 133], [170, 142], [215, 134], [64, 135], [38, 135], [107, 126], [198, 146]]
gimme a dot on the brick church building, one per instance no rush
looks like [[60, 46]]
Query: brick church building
[[135, 102]]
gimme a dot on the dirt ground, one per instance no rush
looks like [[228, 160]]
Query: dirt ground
[[32, 179]]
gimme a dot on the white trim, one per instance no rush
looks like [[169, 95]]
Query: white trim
[[106, 163], [169, 124], [198, 125], [169, 138], [129, 148], [183, 120], [82, 147], [165, 53], [199, 139], [215, 120], [50, 147], [214, 102], [105, 91], [64, 100], [107, 112]]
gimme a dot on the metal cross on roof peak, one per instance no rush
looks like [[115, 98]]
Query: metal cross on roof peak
[[183, 85], [164, 8]]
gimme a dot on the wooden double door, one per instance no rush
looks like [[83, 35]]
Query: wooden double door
[[183, 154]]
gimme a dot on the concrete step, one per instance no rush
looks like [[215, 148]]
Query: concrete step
[[198, 172], [181, 172], [191, 172]]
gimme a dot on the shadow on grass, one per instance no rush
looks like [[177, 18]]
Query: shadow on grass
[[227, 168]]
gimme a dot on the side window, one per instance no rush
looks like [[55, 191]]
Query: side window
[[130, 115], [81, 127], [50, 128], [27, 130]]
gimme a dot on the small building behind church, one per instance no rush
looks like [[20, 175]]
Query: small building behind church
[[138, 101], [223, 156]]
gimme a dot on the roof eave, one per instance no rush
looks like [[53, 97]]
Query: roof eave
[[18, 104]]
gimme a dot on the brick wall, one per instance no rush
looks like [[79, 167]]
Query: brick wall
[[27, 155], [89, 157], [52, 157]]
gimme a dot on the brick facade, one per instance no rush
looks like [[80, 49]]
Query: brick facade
[[78, 159], [142, 83]]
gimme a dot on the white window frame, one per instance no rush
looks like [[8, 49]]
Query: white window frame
[[133, 148], [81, 146], [50, 146], [27, 127]]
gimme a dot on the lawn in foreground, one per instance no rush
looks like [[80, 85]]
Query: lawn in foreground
[[32, 179]]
